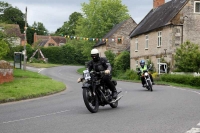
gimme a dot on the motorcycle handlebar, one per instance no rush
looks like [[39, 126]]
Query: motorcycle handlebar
[[101, 72]]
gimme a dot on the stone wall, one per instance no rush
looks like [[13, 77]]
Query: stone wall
[[6, 72]]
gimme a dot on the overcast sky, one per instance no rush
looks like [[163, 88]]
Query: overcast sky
[[53, 13]]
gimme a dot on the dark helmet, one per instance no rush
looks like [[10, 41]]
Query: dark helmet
[[142, 63], [95, 54]]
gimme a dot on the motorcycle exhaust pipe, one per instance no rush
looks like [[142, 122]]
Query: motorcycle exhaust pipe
[[116, 99]]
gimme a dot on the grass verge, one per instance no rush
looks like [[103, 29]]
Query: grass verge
[[27, 84]]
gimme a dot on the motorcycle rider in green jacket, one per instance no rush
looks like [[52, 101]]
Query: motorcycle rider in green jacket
[[140, 72]]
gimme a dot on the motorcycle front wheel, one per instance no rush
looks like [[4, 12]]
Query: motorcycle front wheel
[[150, 85], [90, 100]]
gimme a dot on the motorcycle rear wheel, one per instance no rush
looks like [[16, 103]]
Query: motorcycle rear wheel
[[91, 101]]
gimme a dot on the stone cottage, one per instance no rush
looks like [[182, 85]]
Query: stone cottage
[[163, 29]]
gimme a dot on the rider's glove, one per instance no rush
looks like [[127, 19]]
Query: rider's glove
[[79, 80], [107, 71], [138, 73]]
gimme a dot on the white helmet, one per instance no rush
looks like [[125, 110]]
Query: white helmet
[[95, 54], [94, 51]]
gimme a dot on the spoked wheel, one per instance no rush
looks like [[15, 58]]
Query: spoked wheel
[[150, 86], [91, 101]]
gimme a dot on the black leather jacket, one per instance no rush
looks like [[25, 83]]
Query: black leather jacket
[[100, 65]]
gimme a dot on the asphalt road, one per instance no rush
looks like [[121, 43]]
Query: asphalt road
[[165, 110]]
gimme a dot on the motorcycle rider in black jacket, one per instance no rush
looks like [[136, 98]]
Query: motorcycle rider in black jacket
[[101, 64]]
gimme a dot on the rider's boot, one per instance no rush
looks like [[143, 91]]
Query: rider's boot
[[144, 85], [114, 94]]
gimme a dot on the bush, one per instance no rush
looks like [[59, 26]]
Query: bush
[[181, 79], [127, 75]]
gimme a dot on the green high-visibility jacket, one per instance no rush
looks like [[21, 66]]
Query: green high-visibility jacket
[[142, 69]]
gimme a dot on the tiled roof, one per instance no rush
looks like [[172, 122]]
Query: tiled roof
[[12, 30], [42, 43], [57, 39], [159, 17]]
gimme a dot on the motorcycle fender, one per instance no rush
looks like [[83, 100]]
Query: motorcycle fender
[[86, 85], [114, 82]]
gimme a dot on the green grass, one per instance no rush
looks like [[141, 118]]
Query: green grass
[[42, 65], [80, 70], [27, 84]]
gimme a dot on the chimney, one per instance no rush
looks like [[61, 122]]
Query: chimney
[[35, 37], [157, 3]]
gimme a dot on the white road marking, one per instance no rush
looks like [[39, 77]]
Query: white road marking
[[198, 124], [35, 117], [41, 70], [194, 130]]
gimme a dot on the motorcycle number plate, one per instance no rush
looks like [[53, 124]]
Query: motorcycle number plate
[[86, 74]]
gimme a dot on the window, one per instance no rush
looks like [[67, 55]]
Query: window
[[159, 38], [136, 44], [51, 44], [197, 6], [146, 42], [136, 63], [119, 40]]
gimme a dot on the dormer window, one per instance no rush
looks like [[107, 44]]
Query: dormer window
[[51, 44], [197, 6], [119, 40]]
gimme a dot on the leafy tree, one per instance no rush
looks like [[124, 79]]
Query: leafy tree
[[30, 35], [39, 28], [187, 57], [99, 17], [4, 46], [13, 16], [3, 6], [122, 61], [110, 56], [69, 26]]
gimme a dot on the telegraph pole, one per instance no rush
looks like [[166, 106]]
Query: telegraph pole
[[25, 40]]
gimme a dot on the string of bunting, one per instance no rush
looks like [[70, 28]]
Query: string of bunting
[[85, 38], [94, 39]]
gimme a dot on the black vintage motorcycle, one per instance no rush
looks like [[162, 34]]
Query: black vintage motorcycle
[[147, 78], [96, 93]]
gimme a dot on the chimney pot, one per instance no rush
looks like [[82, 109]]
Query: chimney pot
[[157, 3]]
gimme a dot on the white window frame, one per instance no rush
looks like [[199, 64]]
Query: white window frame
[[146, 41], [136, 63], [136, 44], [159, 39], [195, 6], [158, 62]]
